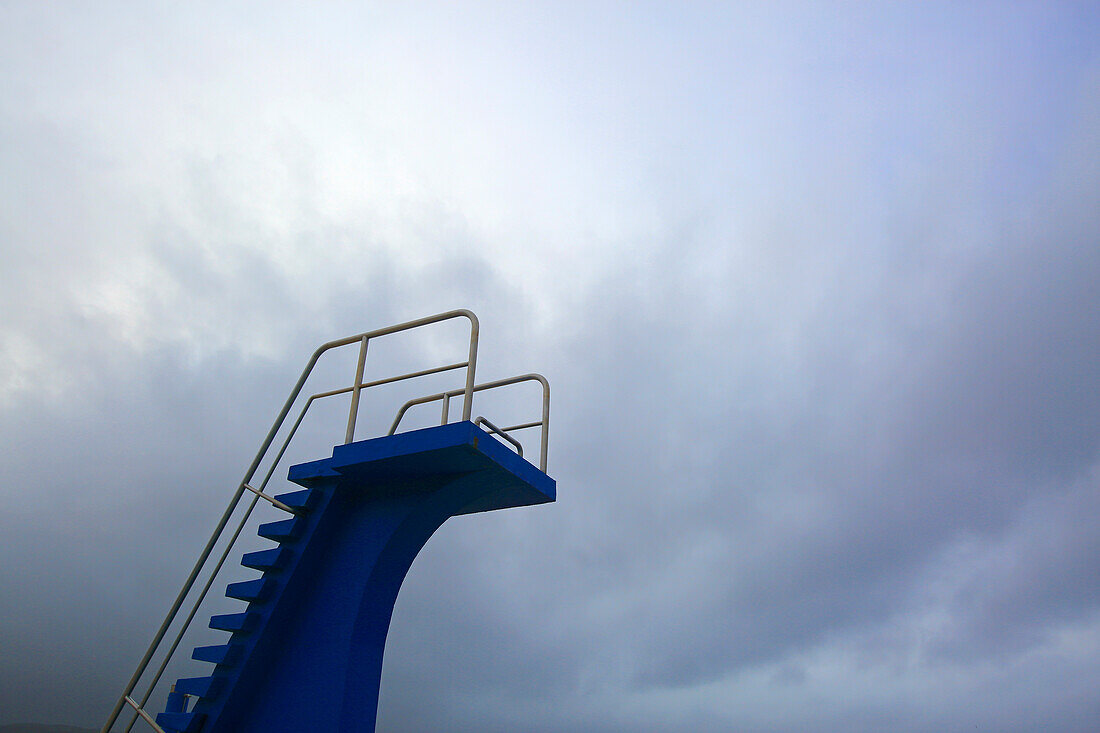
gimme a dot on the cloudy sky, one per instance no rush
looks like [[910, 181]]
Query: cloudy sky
[[815, 285]]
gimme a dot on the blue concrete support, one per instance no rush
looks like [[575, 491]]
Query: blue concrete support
[[306, 653]]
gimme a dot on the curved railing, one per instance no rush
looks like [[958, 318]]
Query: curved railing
[[445, 398], [355, 389]]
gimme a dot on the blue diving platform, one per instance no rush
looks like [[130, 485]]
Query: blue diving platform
[[306, 653], [303, 649]]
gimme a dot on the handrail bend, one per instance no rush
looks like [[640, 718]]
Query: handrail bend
[[501, 432]]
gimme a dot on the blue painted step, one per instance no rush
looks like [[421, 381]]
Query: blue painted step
[[303, 499], [283, 530], [218, 654], [251, 590], [199, 686], [177, 702], [181, 722], [235, 622], [272, 559]]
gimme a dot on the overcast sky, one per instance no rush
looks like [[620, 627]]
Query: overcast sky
[[815, 285]]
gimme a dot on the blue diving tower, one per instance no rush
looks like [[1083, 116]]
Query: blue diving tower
[[303, 651]]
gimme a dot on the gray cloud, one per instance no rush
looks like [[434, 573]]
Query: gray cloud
[[819, 309]]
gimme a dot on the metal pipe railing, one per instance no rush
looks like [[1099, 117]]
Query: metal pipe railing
[[145, 716], [194, 611], [350, 434], [446, 396], [502, 433], [208, 548], [467, 392], [270, 499]]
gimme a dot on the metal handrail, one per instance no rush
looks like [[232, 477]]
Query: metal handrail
[[138, 710], [501, 432], [363, 339], [445, 397], [271, 499]]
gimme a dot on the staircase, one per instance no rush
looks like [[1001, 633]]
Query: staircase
[[276, 565]]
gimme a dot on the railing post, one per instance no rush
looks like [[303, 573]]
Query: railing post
[[350, 435], [471, 365], [545, 422]]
